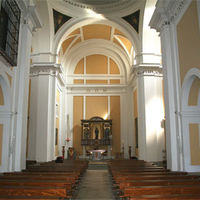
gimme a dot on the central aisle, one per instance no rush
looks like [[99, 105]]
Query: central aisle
[[95, 185]]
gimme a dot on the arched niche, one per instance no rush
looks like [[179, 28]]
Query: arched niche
[[190, 119], [192, 76], [4, 122], [6, 91]]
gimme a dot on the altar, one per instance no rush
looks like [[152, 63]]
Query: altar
[[97, 154], [96, 138]]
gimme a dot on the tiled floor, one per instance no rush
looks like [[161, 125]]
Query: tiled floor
[[95, 185]]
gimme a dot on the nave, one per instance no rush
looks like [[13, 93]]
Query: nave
[[113, 179]]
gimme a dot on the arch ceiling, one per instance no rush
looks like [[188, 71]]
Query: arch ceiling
[[109, 32], [95, 32]]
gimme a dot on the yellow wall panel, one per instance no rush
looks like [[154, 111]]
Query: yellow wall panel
[[114, 69], [115, 116], [126, 43], [58, 96], [188, 36], [118, 43], [194, 144], [97, 31], [194, 92], [96, 64], [1, 142], [76, 42], [80, 67], [117, 32], [66, 43], [75, 32], [78, 115], [1, 96], [96, 106], [78, 81], [115, 81], [96, 82]]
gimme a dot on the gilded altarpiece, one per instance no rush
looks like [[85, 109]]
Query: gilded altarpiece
[[96, 135]]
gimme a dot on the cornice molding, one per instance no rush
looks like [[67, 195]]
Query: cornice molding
[[190, 113], [167, 12], [147, 70], [96, 89], [119, 8], [97, 6], [30, 15], [45, 69]]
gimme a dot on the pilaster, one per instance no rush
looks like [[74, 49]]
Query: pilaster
[[164, 20], [150, 111], [20, 103], [42, 111]]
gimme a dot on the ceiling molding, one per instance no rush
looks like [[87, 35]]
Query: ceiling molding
[[78, 8]]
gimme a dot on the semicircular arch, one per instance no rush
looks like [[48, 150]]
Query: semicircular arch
[[75, 23], [5, 85], [73, 58], [187, 84]]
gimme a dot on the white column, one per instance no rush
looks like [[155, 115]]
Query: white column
[[124, 134], [150, 114], [130, 121], [173, 153], [22, 86], [141, 119], [42, 113]]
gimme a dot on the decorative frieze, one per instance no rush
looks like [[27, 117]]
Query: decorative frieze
[[95, 6], [45, 69], [167, 12], [149, 70], [98, 90], [48, 69]]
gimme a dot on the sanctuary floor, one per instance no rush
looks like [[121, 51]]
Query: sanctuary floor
[[96, 183]]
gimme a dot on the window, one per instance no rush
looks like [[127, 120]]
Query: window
[[9, 34]]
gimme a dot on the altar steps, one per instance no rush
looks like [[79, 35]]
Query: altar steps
[[97, 165]]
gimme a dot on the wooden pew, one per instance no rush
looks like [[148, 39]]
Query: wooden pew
[[139, 180], [46, 181], [33, 191], [166, 197], [32, 197], [168, 182], [162, 190]]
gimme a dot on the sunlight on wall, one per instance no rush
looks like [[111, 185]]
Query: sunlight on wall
[[106, 116], [92, 13], [155, 109]]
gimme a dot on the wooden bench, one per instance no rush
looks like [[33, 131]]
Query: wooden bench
[[162, 190], [166, 197], [168, 182], [145, 181], [33, 191], [46, 181], [31, 197]]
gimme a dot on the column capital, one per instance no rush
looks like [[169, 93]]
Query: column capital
[[167, 12], [30, 15], [49, 69], [45, 69], [147, 70]]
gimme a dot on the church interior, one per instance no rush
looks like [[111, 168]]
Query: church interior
[[95, 86]]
